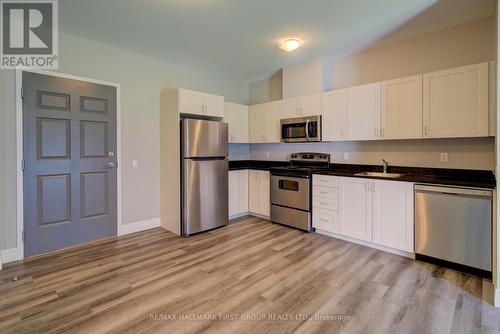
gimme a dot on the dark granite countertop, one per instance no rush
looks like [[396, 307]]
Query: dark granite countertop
[[452, 177]]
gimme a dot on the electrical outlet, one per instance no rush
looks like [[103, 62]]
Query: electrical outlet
[[135, 163], [444, 157], [346, 156]]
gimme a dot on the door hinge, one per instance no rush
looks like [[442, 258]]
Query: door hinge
[[23, 164], [22, 92]]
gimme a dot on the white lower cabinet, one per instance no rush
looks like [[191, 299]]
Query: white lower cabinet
[[238, 193], [259, 192], [376, 211], [393, 214], [355, 208], [325, 203]]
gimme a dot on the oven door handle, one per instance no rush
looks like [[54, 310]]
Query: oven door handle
[[307, 129]]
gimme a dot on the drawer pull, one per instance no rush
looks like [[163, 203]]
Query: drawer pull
[[324, 220], [323, 203]]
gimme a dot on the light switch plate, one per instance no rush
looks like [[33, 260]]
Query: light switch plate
[[444, 157], [135, 163]]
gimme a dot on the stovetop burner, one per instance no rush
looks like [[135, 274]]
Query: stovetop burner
[[305, 163]]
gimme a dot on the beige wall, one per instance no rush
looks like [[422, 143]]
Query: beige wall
[[468, 43], [465, 44], [268, 89], [142, 78], [308, 78]]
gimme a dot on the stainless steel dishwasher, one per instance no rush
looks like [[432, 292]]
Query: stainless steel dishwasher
[[453, 227]]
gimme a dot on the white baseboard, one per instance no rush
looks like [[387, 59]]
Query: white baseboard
[[258, 215], [140, 226], [497, 297], [8, 255], [368, 244], [239, 215]]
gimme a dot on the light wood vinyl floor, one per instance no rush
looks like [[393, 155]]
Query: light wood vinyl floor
[[233, 280]]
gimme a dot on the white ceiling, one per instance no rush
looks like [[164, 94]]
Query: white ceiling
[[236, 37]]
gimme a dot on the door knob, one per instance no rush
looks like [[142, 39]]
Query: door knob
[[109, 165]]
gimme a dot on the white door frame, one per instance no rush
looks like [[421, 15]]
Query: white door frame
[[19, 150]]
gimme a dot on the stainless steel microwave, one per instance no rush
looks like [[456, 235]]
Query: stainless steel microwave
[[301, 129]]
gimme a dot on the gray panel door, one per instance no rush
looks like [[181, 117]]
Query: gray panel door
[[69, 138]]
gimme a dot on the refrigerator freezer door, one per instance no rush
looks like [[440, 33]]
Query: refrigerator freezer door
[[201, 138], [205, 195]]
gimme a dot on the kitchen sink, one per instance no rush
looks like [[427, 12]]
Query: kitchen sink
[[386, 175]]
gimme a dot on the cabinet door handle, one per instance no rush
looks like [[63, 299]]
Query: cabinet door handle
[[426, 130], [377, 132]]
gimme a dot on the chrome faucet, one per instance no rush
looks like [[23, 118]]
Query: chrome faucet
[[385, 165]]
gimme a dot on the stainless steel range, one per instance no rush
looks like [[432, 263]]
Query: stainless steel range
[[291, 189]]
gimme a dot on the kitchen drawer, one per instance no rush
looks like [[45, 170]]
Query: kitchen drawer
[[326, 181], [325, 192], [326, 203], [327, 220]]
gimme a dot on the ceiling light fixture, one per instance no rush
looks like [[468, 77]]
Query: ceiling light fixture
[[289, 44]]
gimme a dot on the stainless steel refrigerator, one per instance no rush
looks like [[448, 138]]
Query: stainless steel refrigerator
[[204, 174]]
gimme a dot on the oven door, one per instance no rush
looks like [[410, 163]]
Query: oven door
[[301, 129], [292, 192]]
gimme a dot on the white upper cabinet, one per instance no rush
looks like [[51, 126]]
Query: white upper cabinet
[[265, 122], [393, 214], [402, 108], [309, 105], [214, 105], [363, 112], [258, 115], [190, 102], [236, 115], [334, 111], [456, 102], [290, 108], [275, 113], [197, 103]]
